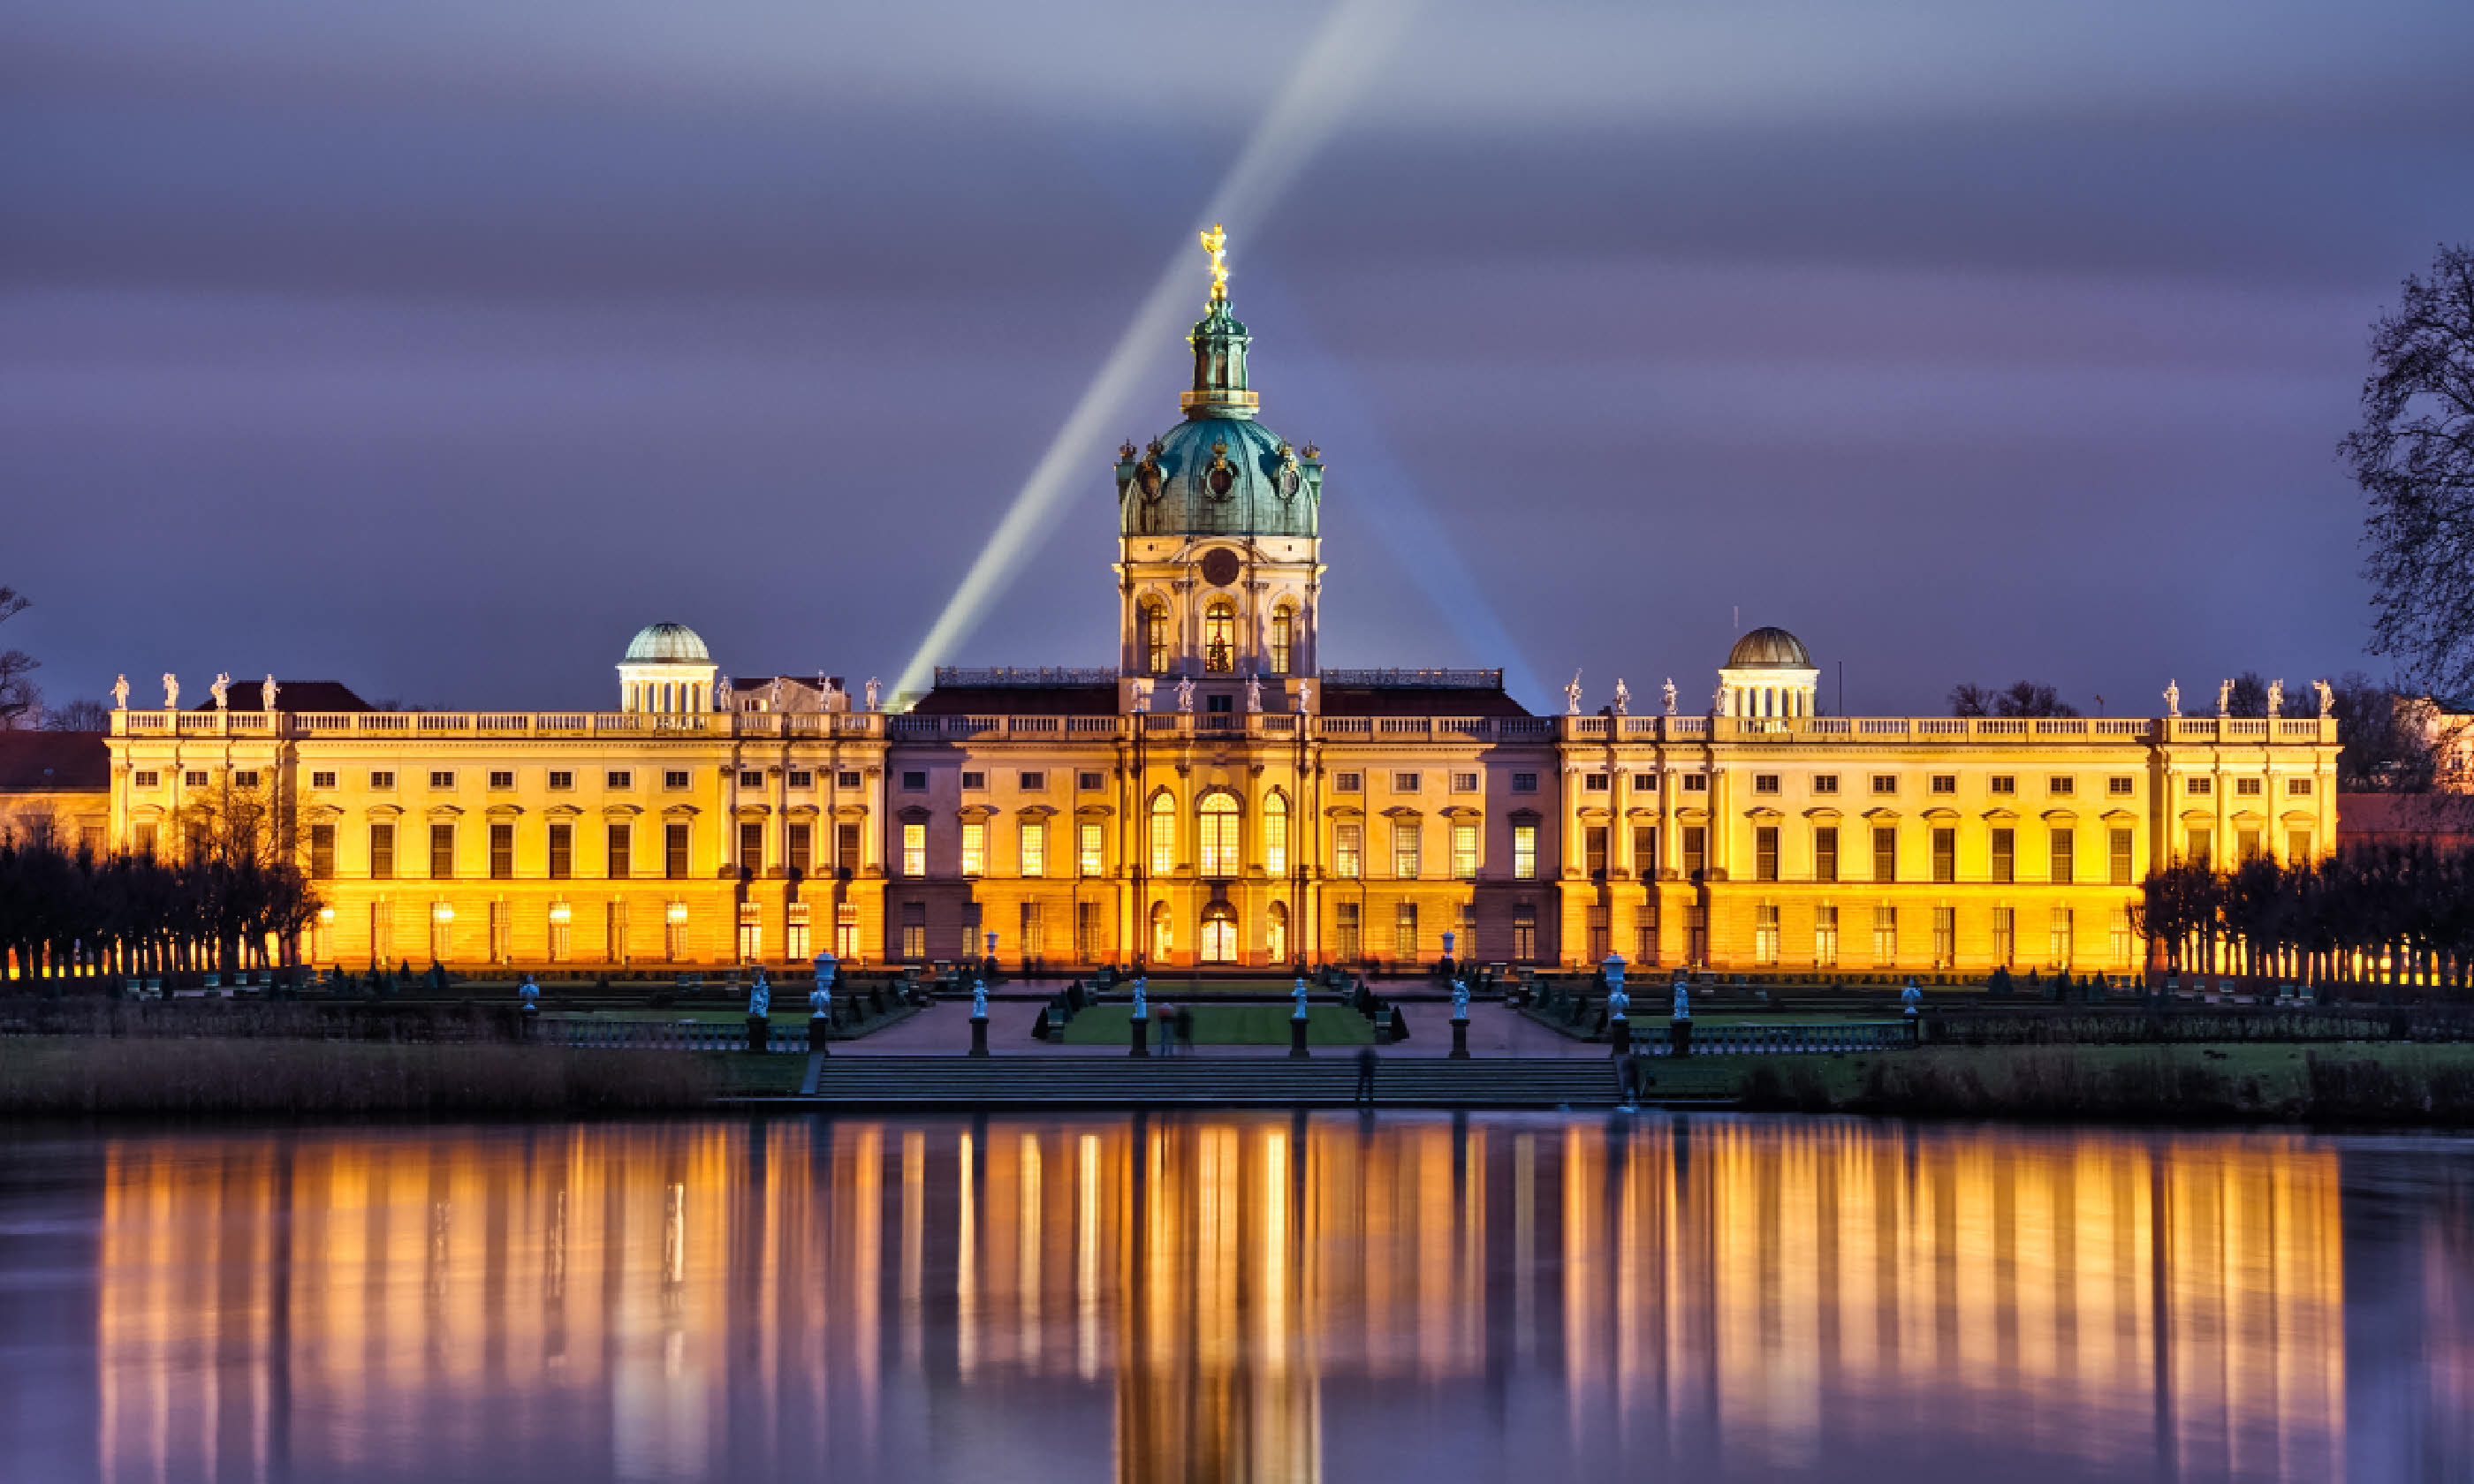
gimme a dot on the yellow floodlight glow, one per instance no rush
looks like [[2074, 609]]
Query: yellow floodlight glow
[[1356, 38]]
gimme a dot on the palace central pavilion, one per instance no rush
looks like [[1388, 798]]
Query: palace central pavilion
[[1218, 799]]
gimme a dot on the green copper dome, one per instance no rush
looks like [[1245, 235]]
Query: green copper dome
[[1220, 473], [674, 643]]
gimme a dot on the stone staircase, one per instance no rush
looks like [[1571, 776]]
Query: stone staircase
[[1204, 1082]]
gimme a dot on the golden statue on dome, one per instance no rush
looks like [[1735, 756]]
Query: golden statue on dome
[[1216, 243]]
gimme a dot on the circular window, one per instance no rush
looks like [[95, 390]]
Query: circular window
[[1218, 566]]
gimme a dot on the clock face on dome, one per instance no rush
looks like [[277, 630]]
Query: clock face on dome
[[1218, 566]]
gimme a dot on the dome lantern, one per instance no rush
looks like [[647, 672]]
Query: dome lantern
[[666, 668], [1769, 678]]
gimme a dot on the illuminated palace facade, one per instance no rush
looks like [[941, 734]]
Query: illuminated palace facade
[[1219, 799]]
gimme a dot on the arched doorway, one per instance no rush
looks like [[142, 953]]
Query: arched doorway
[[1220, 933], [1163, 938], [1275, 934]]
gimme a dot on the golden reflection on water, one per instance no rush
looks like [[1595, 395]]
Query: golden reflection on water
[[1192, 1299]]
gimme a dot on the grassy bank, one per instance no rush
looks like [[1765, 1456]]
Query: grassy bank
[[2430, 1086], [1228, 1025], [82, 1075]]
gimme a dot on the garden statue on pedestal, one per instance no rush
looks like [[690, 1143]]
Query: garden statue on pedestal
[[1912, 996], [760, 999]]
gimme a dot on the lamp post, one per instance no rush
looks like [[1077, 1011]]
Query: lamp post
[[979, 1018], [1141, 1018], [1618, 1025], [820, 1005], [1297, 1020]]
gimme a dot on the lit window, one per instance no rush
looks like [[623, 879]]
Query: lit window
[[1347, 846], [1034, 848], [1163, 835], [1404, 849], [1219, 843], [1524, 852], [1284, 624], [1092, 845], [975, 847], [914, 850], [1464, 852], [1276, 835], [1155, 637], [1219, 637]]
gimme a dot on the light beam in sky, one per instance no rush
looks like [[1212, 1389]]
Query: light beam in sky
[[1353, 44]]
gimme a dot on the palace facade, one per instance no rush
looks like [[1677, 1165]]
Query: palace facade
[[1218, 797]]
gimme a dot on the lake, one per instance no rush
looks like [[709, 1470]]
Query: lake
[[1237, 1297]]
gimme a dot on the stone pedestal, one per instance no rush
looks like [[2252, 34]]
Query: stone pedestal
[[820, 1031], [979, 1034], [1296, 1037], [1142, 1037], [1681, 1037], [1619, 1036], [1460, 1040], [526, 1020], [760, 1033]]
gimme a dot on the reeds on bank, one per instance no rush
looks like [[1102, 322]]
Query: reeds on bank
[[80, 1075]]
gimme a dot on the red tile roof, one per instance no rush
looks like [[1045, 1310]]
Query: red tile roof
[[2445, 821]]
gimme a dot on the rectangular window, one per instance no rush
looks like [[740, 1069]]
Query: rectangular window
[[1593, 782], [1765, 782], [1885, 937], [316, 780], [1405, 840], [846, 848], [2118, 857], [2246, 788], [1345, 948], [802, 777], [322, 852], [1885, 853], [1275, 837], [674, 777], [1765, 862], [2198, 787], [383, 778], [1464, 853], [2005, 857], [561, 780], [1825, 854], [1032, 782], [1945, 782], [1524, 783], [2003, 783], [1824, 936], [2246, 845], [1347, 782], [1404, 931], [914, 929], [1086, 931], [1091, 850], [1464, 782], [1945, 859], [795, 945], [2198, 845], [2121, 787], [1597, 927], [802, 843], [1885, 783], [1765, 935], [751, 778], [2061, 786], [751, 848], [1032, 933], [1696, 851], [1645, 782], [914, 850], [846, 931], [1163, 827], [2063, 855], [502, 778], [562, 852], [2063, 947], [502, 852], [1406, 782], [1696, 782], [847, 777], [915, 783], [613, 932], [2297, 846], [1348, 844], [975, 847], [1524, 852], [1593, 850], [1524, 934], [1644, 852], [674, 851], [148, 778], [441, 851], [1031, 840], [2119, 932], [618, 777], [974, 781], [2005, 935], [247, 778], [1825, 782], [621, 840], [1944, 936], [1645, 953], [442, 779], [2297, 788], [1090, 782]]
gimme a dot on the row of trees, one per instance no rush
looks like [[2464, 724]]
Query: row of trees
[[232, 895], [2383, 914]]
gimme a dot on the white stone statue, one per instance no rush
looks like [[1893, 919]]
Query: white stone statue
[[1142, 1005], [979, 999], [760, 999], [871, 692], [1298, 998], [221, 690], [266, 694], [120, 694], [2327, 699], [721, 693], [1572, 696], [1460, 1000], [1718, 702], [2172, 699], [170, 691], [1682, 1010], [2224, 698], [1253, 695], [820, 999], [1185, 695], [2275, 698], [1670, 695], [1623, 698]]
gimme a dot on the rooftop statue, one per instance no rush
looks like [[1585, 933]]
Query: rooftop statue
[[2172, 699], [1670, 695], [170, 691], [1623, 698], [266, 694], [221, 690], [2327, 699], [1216, 243], [1572, 696], [120, 694]]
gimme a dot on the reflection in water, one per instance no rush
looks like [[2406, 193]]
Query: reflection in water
[[1221, 1297]]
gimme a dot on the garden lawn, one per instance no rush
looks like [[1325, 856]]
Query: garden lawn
[[1228, 1025]]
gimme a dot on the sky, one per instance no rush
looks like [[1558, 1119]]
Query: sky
[[436, 348]]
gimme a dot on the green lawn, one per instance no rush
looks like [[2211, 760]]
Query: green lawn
[[1228, 1025]]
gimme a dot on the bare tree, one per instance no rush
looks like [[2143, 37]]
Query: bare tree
[[2414, 456], [1968, 699], [19, 701], [2249, 695], [80, 715]]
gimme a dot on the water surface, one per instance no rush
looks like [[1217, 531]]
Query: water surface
[[1234, 1297]]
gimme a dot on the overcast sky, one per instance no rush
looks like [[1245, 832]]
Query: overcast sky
[[435, 349]]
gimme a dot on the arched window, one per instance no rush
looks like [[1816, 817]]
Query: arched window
[[1284, 625], [1163, 939], [1163, 835], [1155, 637], [1275, 834], [1275, 935], [1219, 637], [1219, 842]]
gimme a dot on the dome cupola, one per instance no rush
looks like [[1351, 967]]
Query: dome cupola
[[666, 668], [1769, 676]]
